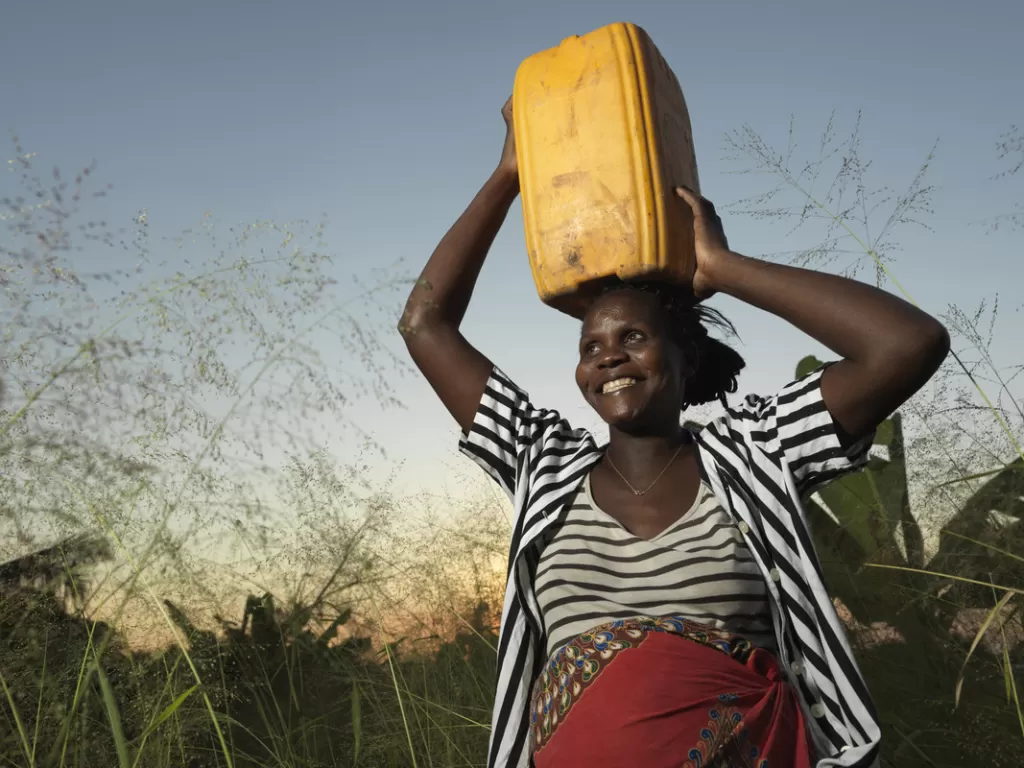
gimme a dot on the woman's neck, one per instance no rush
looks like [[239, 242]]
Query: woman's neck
[[637, 454]]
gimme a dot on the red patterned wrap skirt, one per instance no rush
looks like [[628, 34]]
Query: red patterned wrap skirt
[[665, 693]]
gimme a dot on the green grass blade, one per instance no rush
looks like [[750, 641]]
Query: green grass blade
[[473, 629], [81, 680], [981, 475], [357, 722], [39, 701], [908, 740], [1007, 668], [1016, 700], [113, 717], [1015, 590], [170, 710], [443, 708], [17, 719], [986, 546], [1006, 598], [176, 633], [394, 680]]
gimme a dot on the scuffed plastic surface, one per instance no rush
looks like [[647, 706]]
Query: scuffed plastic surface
[[603, 138]]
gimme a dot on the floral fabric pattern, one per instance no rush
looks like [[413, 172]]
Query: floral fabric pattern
[[576, 665], [664, 692], [724, 741]]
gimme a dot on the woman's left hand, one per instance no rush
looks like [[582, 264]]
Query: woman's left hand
[[710, 243], [889, 347]]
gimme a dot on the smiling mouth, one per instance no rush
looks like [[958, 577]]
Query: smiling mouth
[[616, 385]]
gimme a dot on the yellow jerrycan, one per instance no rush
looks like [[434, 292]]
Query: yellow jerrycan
[[603, 138]]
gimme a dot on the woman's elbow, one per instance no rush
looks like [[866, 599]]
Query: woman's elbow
[[925, 350], [406, 325], [909, 355], [414, 318], [420, 318], [935, 343]]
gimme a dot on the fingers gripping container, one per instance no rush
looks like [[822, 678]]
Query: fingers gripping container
[[603, 138]]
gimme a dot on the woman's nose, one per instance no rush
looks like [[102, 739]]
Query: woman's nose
[[612, 357]]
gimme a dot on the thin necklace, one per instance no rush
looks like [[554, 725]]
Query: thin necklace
[[645, 490]]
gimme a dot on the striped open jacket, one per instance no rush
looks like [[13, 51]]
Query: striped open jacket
[[760, 459]]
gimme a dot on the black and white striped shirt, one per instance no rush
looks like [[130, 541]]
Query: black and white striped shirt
[[594, 571], [760, 459]]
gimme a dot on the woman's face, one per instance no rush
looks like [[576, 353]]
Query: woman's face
[[630, 370]]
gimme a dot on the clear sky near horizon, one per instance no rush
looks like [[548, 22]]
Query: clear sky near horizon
[[385, 116]]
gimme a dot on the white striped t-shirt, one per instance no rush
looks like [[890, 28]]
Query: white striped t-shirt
[[594, 571]]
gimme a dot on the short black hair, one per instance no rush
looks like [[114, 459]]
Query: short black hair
[[713, 367]]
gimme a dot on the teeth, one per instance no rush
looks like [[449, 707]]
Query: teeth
[[615, 386]]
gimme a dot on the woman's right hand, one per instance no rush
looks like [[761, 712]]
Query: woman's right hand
[[509, 161]]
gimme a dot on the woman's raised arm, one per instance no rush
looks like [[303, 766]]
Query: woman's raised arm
[[889, 347], [456, 370]]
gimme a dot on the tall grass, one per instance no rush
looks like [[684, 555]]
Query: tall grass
[[211, 583]]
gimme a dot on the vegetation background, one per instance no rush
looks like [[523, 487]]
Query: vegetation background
[[211, 556]]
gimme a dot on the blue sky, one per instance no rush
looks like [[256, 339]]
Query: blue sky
[[385, 116]]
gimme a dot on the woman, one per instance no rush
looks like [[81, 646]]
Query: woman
[[664, 605]]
